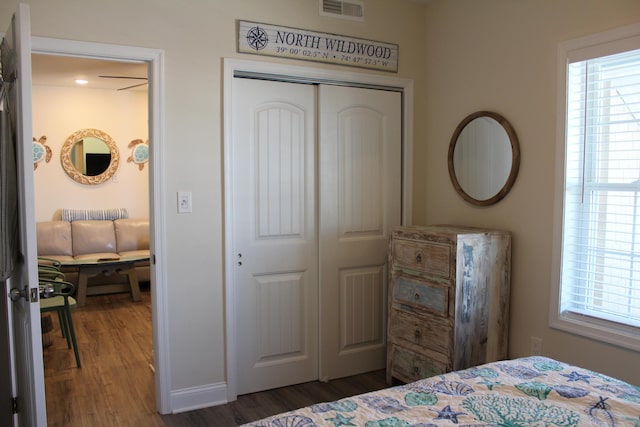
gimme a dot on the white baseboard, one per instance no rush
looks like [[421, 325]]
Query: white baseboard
[[189, 399]]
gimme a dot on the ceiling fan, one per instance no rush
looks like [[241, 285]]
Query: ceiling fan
[[129, 78]]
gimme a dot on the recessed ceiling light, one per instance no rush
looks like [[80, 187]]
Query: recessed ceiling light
[[82, 81]]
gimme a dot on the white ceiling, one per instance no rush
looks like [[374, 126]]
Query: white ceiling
[[50, 70]]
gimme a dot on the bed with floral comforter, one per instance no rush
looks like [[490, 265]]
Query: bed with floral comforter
[[532, 391]]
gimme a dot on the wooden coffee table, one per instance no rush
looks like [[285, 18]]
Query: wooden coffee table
[[91, 268]]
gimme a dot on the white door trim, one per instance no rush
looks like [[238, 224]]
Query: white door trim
[[159, 302], [306, 74]]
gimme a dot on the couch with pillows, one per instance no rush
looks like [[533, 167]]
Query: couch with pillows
[[92, 240]]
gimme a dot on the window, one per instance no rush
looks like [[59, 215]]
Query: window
[[598, 277]]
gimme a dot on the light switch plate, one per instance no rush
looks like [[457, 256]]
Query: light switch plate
[[184, 202]]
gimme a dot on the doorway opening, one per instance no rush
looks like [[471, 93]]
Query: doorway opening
[[113, 332], [151, 60]]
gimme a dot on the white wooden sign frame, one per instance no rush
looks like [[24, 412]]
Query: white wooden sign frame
[[294, 43]]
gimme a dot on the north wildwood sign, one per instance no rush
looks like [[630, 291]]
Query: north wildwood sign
[[294, 43]]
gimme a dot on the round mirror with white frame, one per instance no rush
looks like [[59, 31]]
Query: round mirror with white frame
[[484, 158], [90, 156]]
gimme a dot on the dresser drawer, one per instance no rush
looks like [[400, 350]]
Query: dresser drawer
[[424, 295], [426, 257], [413, 366], [429, 333]]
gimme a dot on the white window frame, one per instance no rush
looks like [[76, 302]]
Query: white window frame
[[598, 45]]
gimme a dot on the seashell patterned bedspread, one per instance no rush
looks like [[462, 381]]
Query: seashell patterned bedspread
[[531, 391]]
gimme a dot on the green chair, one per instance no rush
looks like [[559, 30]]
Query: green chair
[[49, 262], [56, 296], [50, 273], [49, 269]]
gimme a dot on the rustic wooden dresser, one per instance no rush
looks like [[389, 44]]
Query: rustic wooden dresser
[[448, 299]]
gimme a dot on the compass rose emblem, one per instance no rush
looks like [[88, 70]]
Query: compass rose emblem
[[257, 38]]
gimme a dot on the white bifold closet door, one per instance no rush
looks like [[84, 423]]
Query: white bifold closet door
[[359, 201], [316, 189]]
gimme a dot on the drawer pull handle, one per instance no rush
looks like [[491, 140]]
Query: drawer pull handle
[[419, 258], [416, 297], [417, 334]]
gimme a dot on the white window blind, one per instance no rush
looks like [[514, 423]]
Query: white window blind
[[600, 274]]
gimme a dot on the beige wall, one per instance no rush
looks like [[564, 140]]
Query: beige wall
[[500, 55], [464, 55], [57, 113]]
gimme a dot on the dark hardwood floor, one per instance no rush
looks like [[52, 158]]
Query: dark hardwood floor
[[115, 386], [252, 407]]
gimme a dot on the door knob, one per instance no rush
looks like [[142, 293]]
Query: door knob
[[30, 295]]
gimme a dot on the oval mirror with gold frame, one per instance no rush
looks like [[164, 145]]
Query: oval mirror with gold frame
[[484, 158], [90, 156]]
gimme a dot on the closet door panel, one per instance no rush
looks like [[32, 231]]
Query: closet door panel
[[359, 201], [360, 172], [274, 234]]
